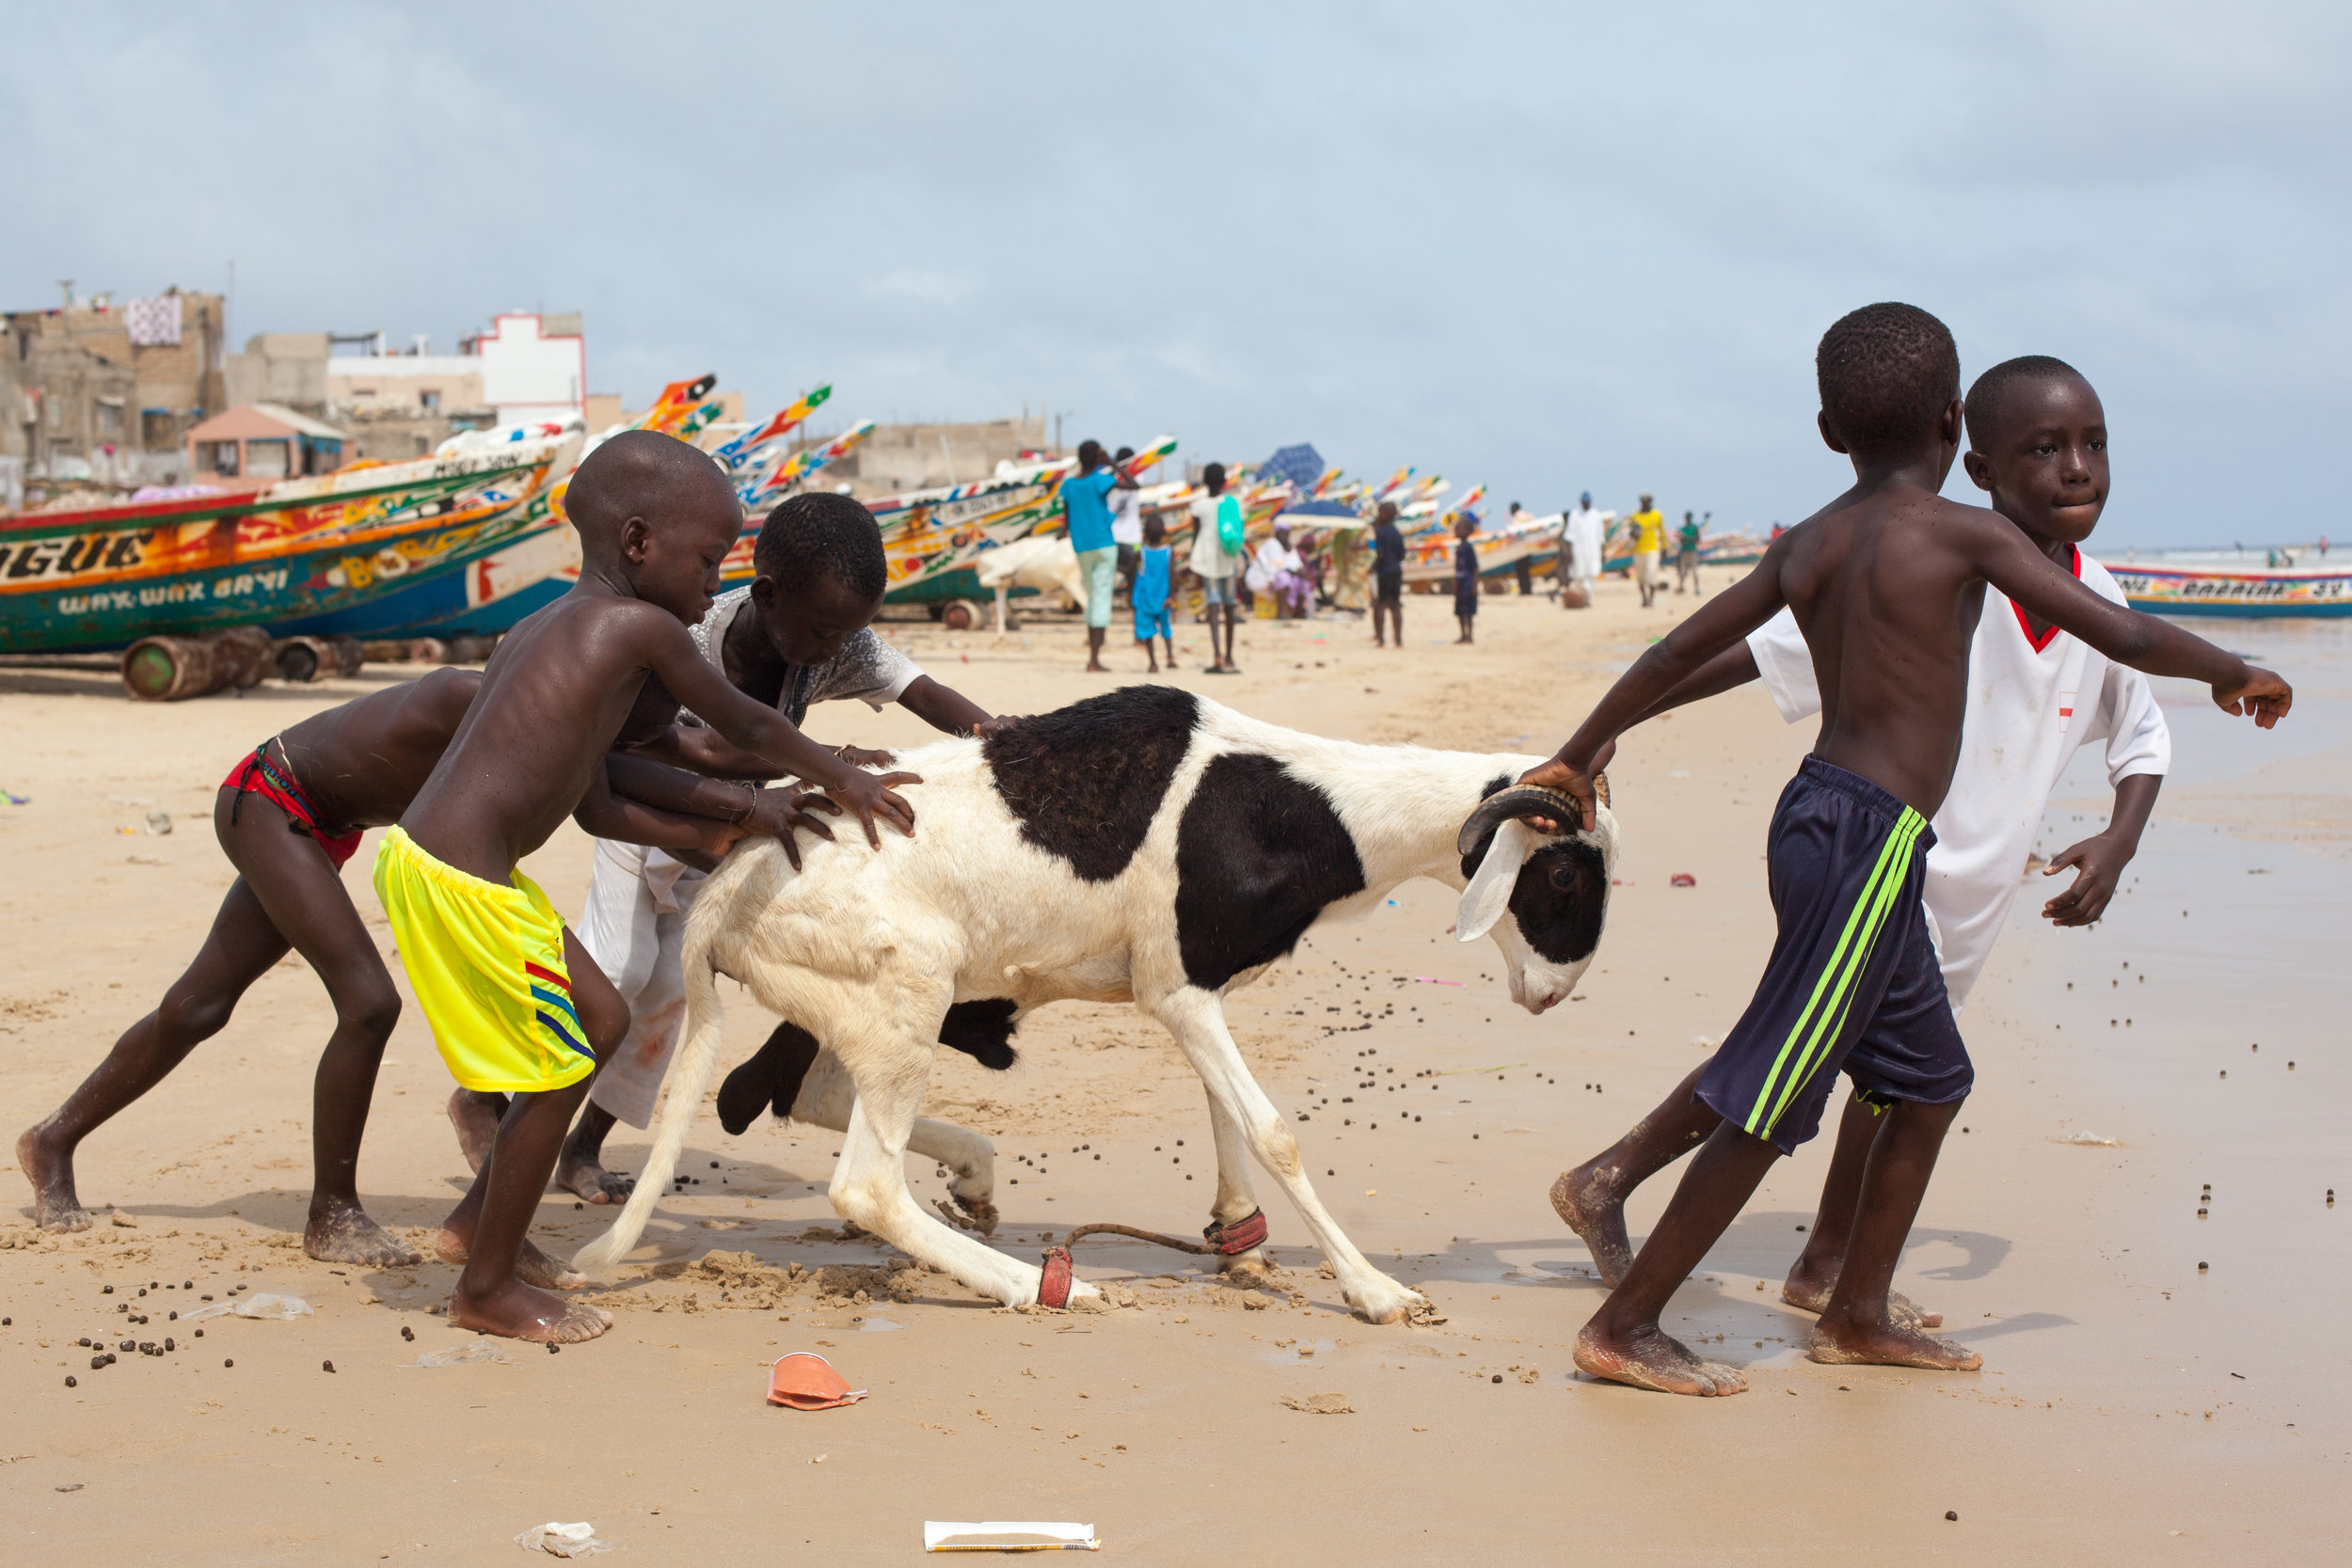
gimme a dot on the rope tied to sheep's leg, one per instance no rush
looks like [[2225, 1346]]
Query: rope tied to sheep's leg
[[1218, 1239]]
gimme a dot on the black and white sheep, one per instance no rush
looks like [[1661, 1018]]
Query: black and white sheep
[[1146, 846]]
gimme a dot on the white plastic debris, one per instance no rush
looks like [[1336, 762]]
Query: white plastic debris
[[459, 1356], [269, 1305], [556, 1540], [158, 823], [2089, 1139], [1008, 1535]]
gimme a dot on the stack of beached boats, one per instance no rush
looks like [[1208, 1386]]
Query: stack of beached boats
[[203, 587]]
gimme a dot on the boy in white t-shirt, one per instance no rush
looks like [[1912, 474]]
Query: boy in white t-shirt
[[2038, 439], [1215, 565]]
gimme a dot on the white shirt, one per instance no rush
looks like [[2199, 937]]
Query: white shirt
[[1585, 528], [1126, 516], [2028, 709], [1273, 558], [1209, 557]]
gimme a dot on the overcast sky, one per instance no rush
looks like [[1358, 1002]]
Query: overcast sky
[[1552, 248]]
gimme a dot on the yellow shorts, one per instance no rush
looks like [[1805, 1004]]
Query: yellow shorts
[[487, 963]]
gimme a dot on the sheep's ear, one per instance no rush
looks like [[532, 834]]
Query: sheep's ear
[[1490, 892]]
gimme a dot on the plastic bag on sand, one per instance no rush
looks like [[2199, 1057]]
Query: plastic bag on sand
[[1008, 1535], [459, 1356], [563, 1540], [272, 1305]]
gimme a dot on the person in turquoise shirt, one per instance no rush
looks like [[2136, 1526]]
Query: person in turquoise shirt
[[1086, 500], [1153, 572]]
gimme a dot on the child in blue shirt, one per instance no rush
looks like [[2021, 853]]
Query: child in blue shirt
[[1150, 595]]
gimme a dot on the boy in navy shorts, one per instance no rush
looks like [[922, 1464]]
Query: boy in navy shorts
[[1886, 582]]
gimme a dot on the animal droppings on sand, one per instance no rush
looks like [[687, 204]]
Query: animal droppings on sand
[[1952, 1515]]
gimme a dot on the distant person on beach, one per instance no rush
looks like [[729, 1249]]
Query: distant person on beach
[[289, 817], [1523, 569], [1084, 498], [1582, 535], [1885, 582], [1126, 521], [1649, 534], [2037, 439], [1687, 557], [1277, 569], [1388, 576], [1216, 560], [1150, 597], [1465, 575]]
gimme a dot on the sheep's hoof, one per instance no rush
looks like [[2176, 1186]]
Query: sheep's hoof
[[978, 1216], [1247, 1266], [1386, 1303]]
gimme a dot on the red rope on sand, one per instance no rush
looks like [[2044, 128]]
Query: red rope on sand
[[1218, 1239]]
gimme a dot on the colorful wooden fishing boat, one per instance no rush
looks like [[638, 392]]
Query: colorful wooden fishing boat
[[2196, 590], [289, 559]]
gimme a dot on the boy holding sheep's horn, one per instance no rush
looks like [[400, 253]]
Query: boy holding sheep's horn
[[1886, 582]]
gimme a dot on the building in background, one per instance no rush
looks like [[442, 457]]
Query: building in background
[[901, 457], [527, 366], [93, 392], [261, 443]]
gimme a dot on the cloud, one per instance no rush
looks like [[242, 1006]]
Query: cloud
[[1552, 248]]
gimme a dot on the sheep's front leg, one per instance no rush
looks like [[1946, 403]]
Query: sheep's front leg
[[1236, 1198], [828, 1095], [870, 1187], [1198, 1021]]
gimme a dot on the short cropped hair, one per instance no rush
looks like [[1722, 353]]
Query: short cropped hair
[[1988, 400], [1886, 372], [1090, 456], [1214, 476], [817, 536]]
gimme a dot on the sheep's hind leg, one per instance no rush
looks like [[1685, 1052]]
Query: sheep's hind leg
[[1236, 1198], [1198, 1021], [827, 1096], [871, 1188]]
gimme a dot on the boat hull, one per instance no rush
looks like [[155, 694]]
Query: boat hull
[[2188, 591], [298, 558]]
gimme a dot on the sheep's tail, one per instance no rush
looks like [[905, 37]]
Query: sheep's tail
[[689, 1075]]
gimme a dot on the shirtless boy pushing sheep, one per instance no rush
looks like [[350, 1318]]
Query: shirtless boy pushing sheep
[[515, 1004], [1886, 582]]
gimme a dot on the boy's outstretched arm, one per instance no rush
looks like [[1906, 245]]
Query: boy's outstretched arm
[[606, 814], [2012, 564], [1674, 659], [944, 708], [767, 733], [707, 752], [2097, 862]]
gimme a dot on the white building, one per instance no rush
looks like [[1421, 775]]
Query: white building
[[525, 367]]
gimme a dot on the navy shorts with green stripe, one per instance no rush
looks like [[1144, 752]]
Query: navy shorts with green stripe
[[1854, 981]]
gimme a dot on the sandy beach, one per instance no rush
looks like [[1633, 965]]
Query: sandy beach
[[2155, 1388]]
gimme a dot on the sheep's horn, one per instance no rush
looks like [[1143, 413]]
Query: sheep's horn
[[1517, 802], [1600, 788]]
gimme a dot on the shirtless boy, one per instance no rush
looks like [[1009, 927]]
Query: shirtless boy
[[1886, 582], [797, 634], [515, 1004], [2038, 445], [288, 816]]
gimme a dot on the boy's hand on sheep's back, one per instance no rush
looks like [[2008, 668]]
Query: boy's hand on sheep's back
[[715, 839], [865, 796], [857, 758], [997, 725], [778, 814]]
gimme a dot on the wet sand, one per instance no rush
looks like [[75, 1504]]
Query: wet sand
[[2133, 1409]]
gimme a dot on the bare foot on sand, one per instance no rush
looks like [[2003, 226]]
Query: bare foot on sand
[[1839, 1343], [1812, 1296], [532, 1266], [476, 1117], [345, 1234], [582, 1176], [1653, 1359], [520, 1312], [55, 1206], [1597, 1215]]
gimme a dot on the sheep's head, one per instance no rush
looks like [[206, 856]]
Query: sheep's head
[[1541, 895]]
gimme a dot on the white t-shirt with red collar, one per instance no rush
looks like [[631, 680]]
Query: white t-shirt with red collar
[[2029, 705]]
